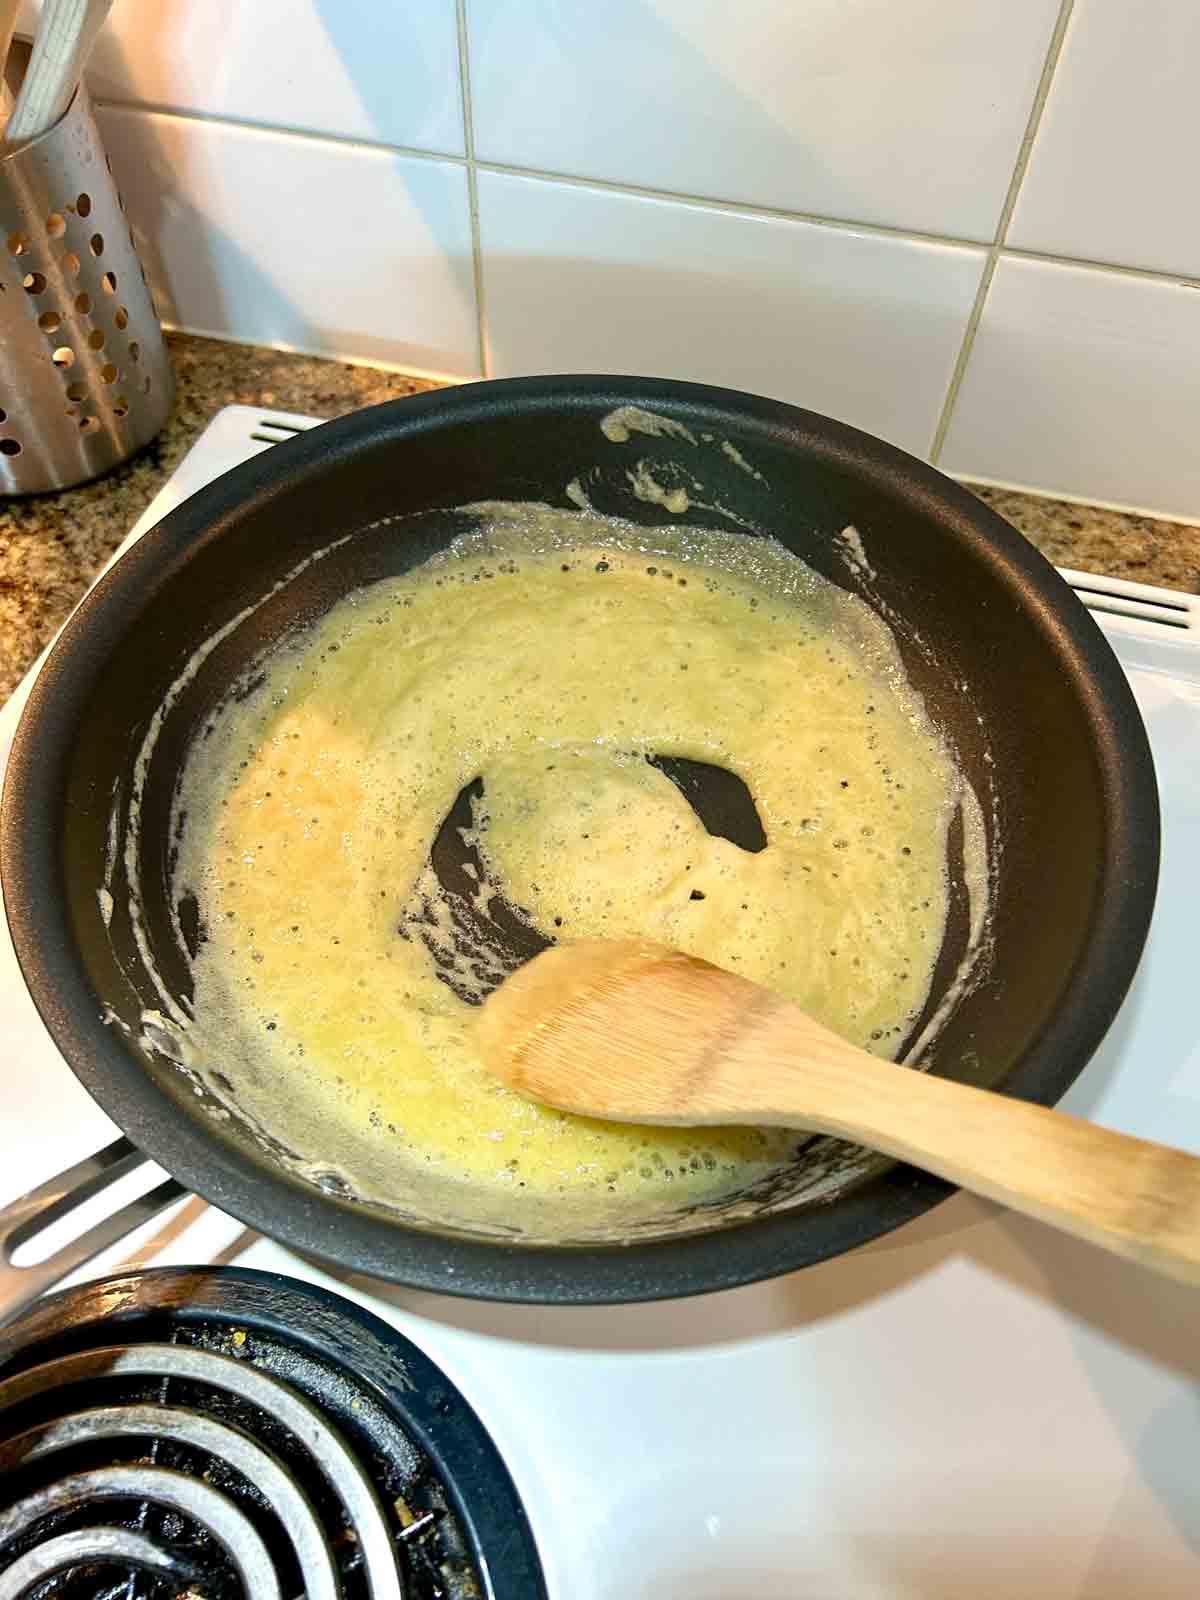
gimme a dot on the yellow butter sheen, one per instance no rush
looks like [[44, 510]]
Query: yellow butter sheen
[[549, 654]]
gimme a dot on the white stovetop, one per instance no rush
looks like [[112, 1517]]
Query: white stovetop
[[973, 1405]]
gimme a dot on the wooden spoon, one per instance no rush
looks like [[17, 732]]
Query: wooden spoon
[[639, 1033]]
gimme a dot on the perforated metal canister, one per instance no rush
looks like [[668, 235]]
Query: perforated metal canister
[[84, 375]]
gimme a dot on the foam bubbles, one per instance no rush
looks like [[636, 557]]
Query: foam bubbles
[[549, 653]]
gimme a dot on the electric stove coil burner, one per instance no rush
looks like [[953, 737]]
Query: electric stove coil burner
[[235, 1434]]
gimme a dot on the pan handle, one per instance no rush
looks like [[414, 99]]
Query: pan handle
[[29, 1215]]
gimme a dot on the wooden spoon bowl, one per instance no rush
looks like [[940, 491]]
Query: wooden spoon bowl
[[638, 1033]]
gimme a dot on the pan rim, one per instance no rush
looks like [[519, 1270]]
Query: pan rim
[[335, 1231]]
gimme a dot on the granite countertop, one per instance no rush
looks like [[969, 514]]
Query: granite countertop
[[51, 546]]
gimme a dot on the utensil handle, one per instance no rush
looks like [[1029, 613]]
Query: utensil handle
[[1130, 1196], [63, 41], [8, 18], [29, 1215]]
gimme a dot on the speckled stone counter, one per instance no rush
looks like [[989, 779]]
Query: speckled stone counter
[[51, 546], [1119, 544]]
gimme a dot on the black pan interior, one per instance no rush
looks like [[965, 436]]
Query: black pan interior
[[1015, 672]]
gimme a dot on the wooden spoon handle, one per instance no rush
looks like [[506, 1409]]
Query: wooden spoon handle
[[1130, 1196], [630, 1030]]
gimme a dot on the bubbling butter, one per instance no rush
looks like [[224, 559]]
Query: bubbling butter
[[550, 653]]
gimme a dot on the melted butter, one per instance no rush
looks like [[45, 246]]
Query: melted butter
[[549, 654], [646, 487], [619, 425]]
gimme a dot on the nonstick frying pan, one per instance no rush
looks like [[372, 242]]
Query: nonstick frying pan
[[1015, 672]]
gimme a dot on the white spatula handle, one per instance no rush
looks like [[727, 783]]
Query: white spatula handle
[[61, 46]]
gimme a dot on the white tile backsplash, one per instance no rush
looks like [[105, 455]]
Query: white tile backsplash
[[1113, 174], [904, 114], [1084, 383], [860, 326], [384, 73], [644, 171], [300, 242]]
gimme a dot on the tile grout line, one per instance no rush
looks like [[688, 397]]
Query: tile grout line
[[1020, 167], [403, 369], [743, 208], [1116, 269], [733, 207], [464, 79], [738, 208], [218, 119], [474, 164], [1087, 502]]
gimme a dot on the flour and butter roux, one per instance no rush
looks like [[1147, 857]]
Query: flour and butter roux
[[549, 653]]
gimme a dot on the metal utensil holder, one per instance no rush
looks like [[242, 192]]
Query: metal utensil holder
[[84, 375]]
